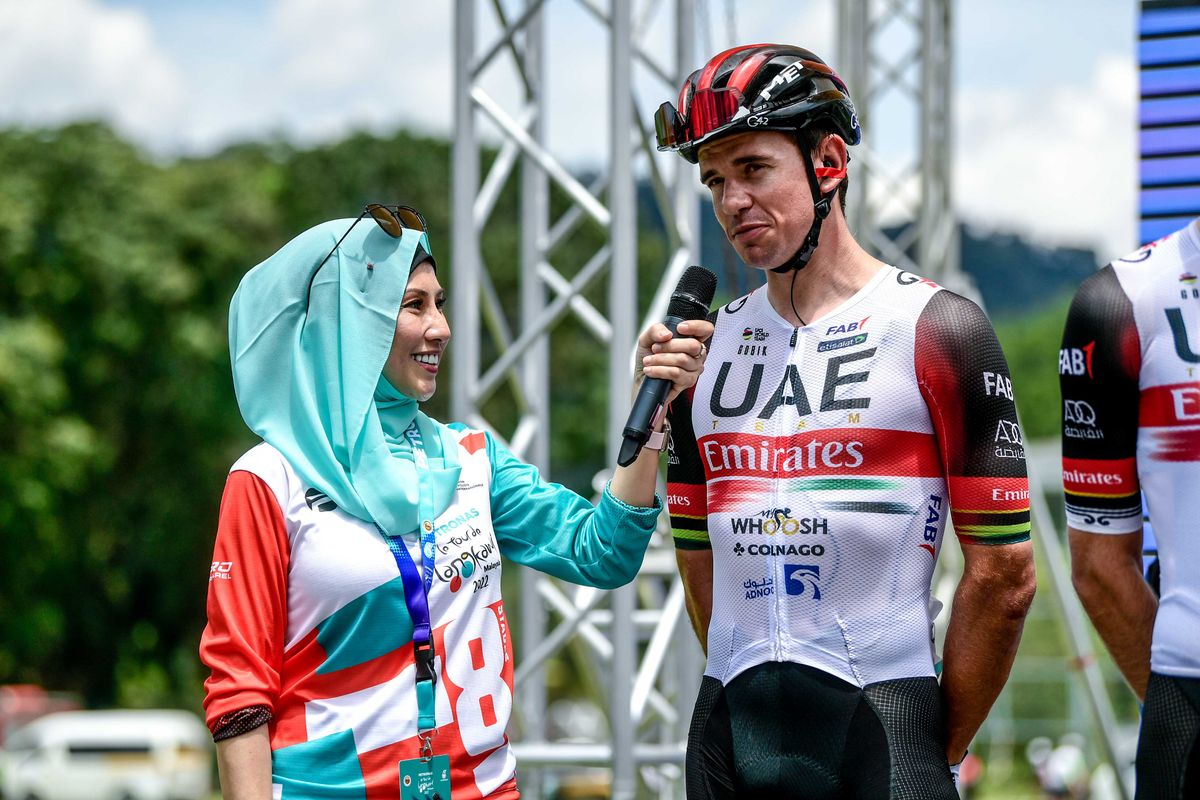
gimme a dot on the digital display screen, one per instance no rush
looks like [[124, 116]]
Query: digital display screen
[[1168, 116]]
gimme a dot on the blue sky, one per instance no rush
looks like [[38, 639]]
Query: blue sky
[[1044, 91]]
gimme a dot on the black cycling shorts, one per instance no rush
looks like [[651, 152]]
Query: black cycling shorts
[[1168, 755], [785, 730]]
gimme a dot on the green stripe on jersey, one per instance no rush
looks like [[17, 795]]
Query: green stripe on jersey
[[692, 544], [841, 484], [991, 530], [691, 536]]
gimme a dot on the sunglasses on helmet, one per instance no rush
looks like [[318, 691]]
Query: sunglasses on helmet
[[392, 219], [708, 110]]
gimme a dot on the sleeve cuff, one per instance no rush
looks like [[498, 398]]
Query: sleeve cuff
[[643, 517], [244, 720]]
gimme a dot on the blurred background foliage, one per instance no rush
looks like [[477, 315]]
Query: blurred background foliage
[[117, 415]]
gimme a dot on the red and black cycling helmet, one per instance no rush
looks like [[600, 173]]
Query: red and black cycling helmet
[[756, 87]]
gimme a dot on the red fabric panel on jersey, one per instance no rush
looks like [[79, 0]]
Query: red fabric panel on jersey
[[688, 499], [868, 451], [1095, 477], [1174, 404], [303, 682], [997, 494], [247, 600], [1176, 446]]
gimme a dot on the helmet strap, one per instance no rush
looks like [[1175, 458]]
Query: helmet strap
[[821, 209]]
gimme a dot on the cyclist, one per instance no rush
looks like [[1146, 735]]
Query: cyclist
[[846, 409], [1131, 424]]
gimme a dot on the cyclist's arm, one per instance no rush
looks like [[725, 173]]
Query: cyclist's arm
[[696, 569], [966, 384], [1107, 574], [1098, 374], [990, 604], [687, 502]]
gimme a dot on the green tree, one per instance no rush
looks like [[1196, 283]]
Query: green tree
[[115, 395]]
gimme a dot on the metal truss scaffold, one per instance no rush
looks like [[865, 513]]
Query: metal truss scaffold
[[896, 58], [642, 653]]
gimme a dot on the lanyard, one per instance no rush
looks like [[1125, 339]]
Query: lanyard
[[416, 593]]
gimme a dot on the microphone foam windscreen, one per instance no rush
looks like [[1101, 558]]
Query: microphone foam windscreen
[[693, 294]]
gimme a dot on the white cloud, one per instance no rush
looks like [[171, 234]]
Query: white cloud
[[62, 60], [360, 63], [1058, 161]]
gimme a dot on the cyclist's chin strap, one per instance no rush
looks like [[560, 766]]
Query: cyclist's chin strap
[[821, 209]]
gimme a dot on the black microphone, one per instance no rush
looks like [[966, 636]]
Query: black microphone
[[690, 300]]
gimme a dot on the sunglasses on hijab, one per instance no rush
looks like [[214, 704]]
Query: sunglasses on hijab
[[392, 219]]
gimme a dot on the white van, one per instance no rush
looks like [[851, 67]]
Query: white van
[[109, 755]]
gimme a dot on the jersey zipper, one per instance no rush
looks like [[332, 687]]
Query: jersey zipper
[[785, 421]]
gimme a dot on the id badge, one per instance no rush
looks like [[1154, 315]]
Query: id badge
[[425, 780]]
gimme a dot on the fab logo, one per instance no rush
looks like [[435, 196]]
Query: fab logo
[[848, 327], [933, 524]]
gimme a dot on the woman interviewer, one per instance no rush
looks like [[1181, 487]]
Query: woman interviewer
[[356, 635]]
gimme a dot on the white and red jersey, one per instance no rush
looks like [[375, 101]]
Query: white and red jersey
[[1129, 369], [307, 617], [819, 464]]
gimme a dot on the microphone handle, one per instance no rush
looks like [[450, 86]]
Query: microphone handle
[[651, 396]]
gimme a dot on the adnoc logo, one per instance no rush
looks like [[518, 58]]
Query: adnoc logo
[[802, 579]]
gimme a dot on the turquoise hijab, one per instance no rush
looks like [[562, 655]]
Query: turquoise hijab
[[308, 374]]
